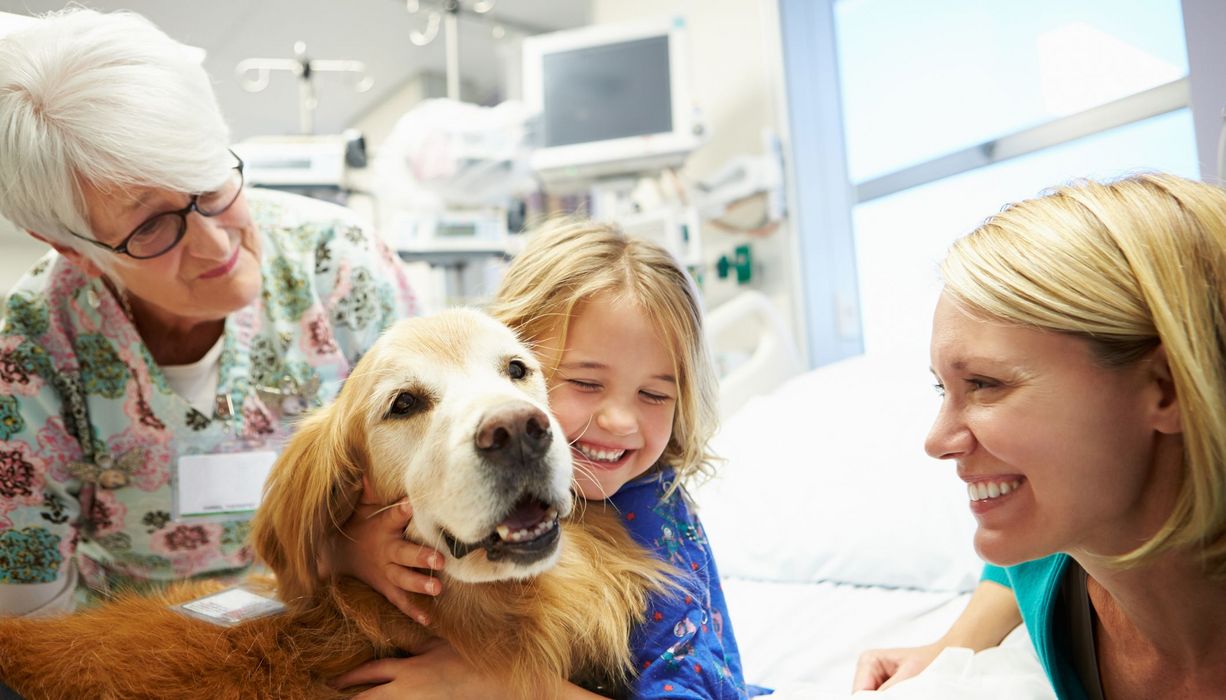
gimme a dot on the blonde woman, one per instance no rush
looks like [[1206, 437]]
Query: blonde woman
[[1080, 345]]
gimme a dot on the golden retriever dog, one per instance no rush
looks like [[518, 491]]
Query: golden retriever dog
[[451, 412]]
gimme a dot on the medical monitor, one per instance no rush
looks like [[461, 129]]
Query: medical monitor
[[610, 99]]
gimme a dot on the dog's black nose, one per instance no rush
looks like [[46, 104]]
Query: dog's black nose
[[513, 434]]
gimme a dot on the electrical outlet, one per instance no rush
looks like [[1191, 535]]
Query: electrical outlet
[[846, 316]]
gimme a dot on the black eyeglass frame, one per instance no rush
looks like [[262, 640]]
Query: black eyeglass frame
[[192, 206]]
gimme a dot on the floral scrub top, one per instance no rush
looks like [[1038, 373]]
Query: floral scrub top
[[90, 429]]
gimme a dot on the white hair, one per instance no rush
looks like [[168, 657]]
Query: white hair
[[107, 99]]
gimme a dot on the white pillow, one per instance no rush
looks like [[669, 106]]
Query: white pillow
[[826, 480]]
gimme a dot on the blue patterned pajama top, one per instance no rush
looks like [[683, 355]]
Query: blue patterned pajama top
[[686, 647]]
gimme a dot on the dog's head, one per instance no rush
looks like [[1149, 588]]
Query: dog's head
[[450, 410]]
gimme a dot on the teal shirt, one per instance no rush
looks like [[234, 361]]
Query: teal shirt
[[1036, 586]]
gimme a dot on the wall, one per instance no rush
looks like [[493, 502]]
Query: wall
[[1204, 21]]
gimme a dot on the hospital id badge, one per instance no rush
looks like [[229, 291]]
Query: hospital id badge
[[231, 606], [220, 486]]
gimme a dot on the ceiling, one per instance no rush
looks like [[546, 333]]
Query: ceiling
[[375, 32]]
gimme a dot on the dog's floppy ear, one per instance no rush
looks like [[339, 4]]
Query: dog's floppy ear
[[311, 491]]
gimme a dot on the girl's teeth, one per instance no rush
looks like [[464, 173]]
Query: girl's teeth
[[599, 455], [982, 491]]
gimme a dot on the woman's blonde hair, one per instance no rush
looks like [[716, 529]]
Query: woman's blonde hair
[[1129, 266], [570, 261]]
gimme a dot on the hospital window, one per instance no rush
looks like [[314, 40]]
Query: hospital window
[[953, 107], [900, 238]]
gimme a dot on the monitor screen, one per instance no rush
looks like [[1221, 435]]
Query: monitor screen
[[607, 92]]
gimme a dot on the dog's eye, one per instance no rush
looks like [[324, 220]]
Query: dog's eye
[[517, 369], [404, 404]]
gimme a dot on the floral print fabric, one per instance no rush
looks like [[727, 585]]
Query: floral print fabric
[[90, 429]]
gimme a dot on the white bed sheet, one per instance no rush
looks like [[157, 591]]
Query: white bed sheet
[[813, 632], [803, 639]]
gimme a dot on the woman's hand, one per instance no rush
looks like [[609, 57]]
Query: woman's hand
[[879, 669], [439, 672], [371, 547], [990, 615]]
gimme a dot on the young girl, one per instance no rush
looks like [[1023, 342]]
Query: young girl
[[617, 325]]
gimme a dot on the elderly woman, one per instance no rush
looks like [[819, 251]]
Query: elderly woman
[[151, 363], [1079, 345]]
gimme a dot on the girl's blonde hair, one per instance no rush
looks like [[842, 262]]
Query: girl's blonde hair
[[1129, 266], [570, 261]]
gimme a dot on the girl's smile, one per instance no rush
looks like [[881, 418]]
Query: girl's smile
[[600, 457]]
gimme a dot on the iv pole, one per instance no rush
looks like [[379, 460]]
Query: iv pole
[[447, 14], [305, 68], [451, 22]]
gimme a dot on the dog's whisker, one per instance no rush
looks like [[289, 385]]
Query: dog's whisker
[[587, 472], [591, 475], [580, 467], [441, 546], [582, 432], [578, 507], [440, 543], [386, 508], [584, 470]]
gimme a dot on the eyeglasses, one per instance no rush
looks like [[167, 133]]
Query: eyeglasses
[[162, 232]]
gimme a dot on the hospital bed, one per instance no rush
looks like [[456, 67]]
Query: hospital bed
[[835, 533]]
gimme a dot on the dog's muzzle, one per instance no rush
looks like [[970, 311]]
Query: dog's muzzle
[[529, 533], [513, 441]]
